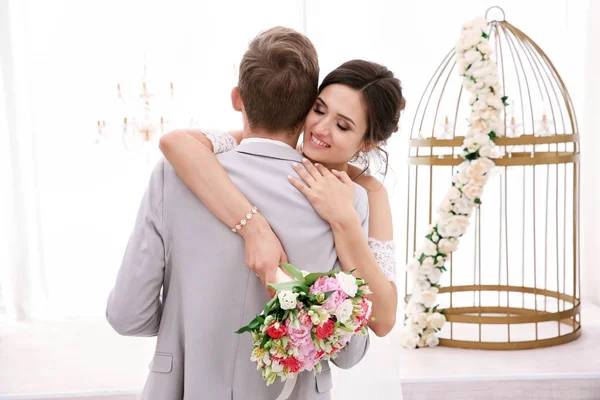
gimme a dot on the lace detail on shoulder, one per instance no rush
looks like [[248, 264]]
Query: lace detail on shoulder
[[222, 141], [385, 254]]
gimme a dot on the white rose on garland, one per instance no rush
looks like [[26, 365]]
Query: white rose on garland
[[423, 319]]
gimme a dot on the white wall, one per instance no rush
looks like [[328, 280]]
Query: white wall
[[75, 53]]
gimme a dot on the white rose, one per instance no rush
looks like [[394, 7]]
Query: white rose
[[480, 180], [427, 297], [344, 311], [472, 56], [472, 191], [484, 47], [421, 342], [429, 248], [420, 320], [408, 339], [447, 246], [495, 102], [463, 206], [491, 80], [414, 307], [434, 276], [479, 123], [453, 194], [486, 151], [423, 284], [459, 179], [287, 299], [470, 40], [483, 139], [473, 99], [436, 320], [480, 105], [476, 23], [426, 266], [481, 167], [432, 340], [348, 283], [471, 145], [439, 262], [455, 226], [413, 266]]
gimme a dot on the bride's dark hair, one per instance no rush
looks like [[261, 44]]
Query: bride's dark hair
[[382, 97]]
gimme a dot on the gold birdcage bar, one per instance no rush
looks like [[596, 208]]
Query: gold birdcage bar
[[514, 282]]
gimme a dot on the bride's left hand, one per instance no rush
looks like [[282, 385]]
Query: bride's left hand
[[331, 193]]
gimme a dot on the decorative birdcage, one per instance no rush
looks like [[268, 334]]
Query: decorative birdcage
[[513, 283]]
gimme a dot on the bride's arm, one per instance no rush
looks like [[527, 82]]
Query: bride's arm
[[190, 153], [354, 252]]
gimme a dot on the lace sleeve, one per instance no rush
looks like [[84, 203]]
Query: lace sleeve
[[222, 141], [384, 253]]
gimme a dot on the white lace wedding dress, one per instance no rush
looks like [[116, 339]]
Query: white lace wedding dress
[[357, 382]]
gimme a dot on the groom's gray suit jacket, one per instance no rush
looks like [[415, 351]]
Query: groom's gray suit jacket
[[179, 247]]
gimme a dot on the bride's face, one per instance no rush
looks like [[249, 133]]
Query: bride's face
[[335, 127]]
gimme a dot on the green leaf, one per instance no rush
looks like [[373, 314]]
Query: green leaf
[[285, 315], [293, 271], [477, 200], [329, 293], [264, 341], [485, 35], [255, 323], [493, 135], [243, 330], [472, 156], [285, 285], [310, 279], [304, 289]]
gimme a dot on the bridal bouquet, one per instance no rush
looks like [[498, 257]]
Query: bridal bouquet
[[311, 319]]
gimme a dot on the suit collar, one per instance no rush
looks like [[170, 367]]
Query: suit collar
[[270, 150]]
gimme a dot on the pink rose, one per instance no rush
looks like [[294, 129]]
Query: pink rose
[[299, 332], [307, 355], [326, 284]]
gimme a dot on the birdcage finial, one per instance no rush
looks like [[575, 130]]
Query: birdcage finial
[[499, 8]]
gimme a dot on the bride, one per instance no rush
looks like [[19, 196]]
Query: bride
[[357, 111]]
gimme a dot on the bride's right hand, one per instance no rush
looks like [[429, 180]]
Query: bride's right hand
[[264, 251]]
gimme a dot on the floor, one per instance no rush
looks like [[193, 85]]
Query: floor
[[86, 360]]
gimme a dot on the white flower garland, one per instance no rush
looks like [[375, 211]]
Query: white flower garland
[[423, 319]]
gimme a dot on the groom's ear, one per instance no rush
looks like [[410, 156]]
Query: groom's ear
[[236, 99]]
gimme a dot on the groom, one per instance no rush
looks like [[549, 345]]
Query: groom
[[183, 275]]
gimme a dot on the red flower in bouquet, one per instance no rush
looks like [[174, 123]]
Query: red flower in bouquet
[[292, 364], [276, 330], [325, 330], [365, 316]]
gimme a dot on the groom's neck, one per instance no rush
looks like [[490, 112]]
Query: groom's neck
[[285, 137]]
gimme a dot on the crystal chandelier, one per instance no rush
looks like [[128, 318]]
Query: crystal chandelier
[[140, 120]]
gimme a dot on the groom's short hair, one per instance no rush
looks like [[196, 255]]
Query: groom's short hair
[[278, 79]]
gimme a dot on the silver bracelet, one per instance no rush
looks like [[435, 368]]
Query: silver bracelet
[[245, 220]]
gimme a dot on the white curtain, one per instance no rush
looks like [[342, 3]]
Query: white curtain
[[590, 178], [67, 206], [23, 282]]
